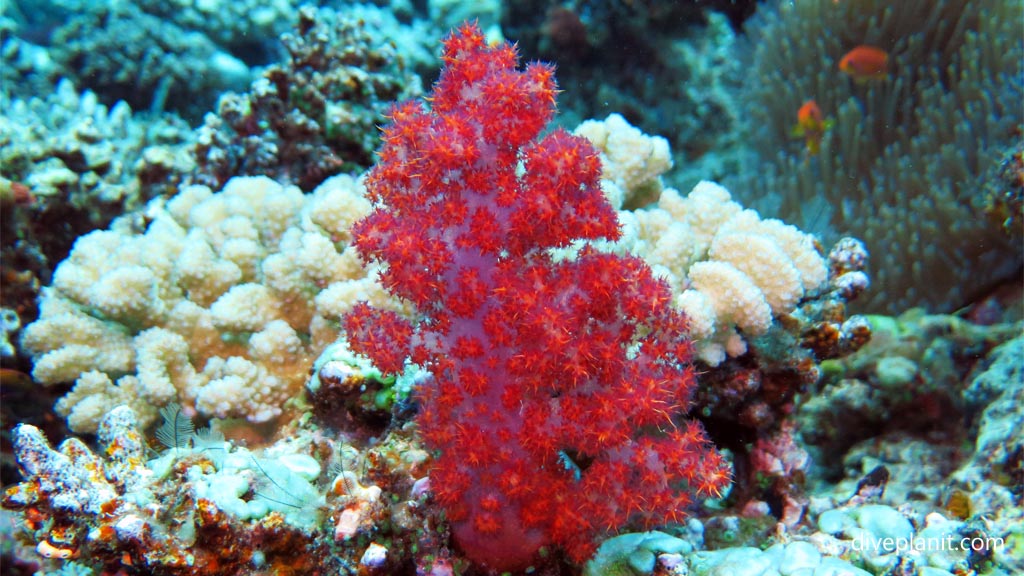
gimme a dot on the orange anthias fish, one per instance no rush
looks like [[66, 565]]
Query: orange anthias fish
[[811, 126], [865, 63]]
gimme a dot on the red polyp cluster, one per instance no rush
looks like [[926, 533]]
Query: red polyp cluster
[[558, 383]]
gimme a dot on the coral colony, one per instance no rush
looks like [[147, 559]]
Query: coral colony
[[555, 379]]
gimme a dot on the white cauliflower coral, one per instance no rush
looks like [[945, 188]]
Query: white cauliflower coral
[[221, 305], [632, 161], [732, 273]]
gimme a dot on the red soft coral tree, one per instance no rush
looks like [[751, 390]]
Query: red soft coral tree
[[558, 382]]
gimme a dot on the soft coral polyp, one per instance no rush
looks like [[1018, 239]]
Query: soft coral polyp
[[558, 385]]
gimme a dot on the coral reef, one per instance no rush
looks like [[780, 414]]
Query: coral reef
[[220, 305], [207, 506], [154, 55], [915, 367], [83, 163], [863, 539], [550, 378], [508, 346], [10, 323], [732, 273], [1004, 194], [244, 29], [994, 473], [685, 90], [764, 307], [637, 553], [347, 392], [26, 69], [903, 165], [70, 165], [313, 116], [631, 162], [123, 53], [237, 27], [740, 271]]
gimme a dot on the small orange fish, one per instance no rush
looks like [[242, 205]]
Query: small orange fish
[[811, 125], [865, 63]]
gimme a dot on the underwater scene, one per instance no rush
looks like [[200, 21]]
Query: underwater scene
[[512, 287]]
